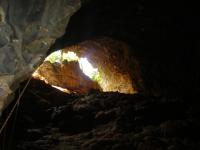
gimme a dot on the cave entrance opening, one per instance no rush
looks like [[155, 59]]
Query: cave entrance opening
[[77, 73], [87, 68], [101, 64]]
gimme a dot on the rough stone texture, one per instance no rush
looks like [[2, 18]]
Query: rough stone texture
[[110, 56], [51, 120], [112, 59], [67, 75], [5, 90], [27, 30]]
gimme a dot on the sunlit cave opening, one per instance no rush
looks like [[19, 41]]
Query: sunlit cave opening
[[62, 59], [81, 69], [59, 56]]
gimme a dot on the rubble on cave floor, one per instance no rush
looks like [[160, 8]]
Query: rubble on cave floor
[[51, 120]]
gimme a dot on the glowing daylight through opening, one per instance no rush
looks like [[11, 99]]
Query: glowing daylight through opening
[[87, 68], [60, 57], [84, 64]]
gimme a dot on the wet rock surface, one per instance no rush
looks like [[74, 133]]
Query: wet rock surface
[[51, 120]]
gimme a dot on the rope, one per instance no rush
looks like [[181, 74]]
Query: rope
[[16, 104]]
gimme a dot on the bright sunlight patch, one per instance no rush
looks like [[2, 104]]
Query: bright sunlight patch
[[85, 65]]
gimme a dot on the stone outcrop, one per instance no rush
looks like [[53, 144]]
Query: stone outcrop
[[67, 75], [112, 58], [27, 30]]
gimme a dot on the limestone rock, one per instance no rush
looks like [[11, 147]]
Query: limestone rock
[[5, 90], [27, 30]]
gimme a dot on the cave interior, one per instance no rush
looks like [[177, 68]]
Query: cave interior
[[144, 94]]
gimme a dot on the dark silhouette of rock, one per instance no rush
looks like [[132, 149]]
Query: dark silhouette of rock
[[49, 119]]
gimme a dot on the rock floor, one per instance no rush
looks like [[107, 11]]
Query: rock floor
[[48, 119]]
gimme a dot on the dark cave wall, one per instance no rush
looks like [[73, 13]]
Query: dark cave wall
[[162, 37]]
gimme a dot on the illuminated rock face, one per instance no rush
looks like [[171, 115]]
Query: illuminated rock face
[[27, 29], [68, 76], [112, 59], [104, 60]]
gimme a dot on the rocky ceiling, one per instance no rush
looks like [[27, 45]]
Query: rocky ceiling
[[162, 39]]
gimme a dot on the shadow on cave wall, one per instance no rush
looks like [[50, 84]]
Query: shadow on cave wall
[[162, 37]]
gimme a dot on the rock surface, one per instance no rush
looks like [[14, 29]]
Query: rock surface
[[27, 30], [51, 120], [163, 37], [67, 75], [112, 58]]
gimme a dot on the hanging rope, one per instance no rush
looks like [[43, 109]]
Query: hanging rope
[[16, 104]]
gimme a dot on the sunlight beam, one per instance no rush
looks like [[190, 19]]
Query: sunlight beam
[[87, 68]]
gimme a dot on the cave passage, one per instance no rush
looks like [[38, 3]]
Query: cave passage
[[87, 66], [128, 70], [62, 60], [59, 57]]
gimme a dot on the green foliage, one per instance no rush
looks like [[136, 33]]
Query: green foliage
[[70, 56], [54, 57], [96, 77]]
